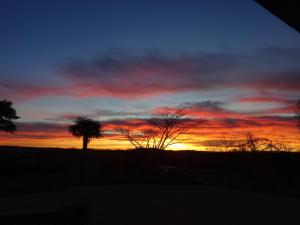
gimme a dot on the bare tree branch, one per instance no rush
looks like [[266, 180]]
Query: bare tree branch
[[168, 124], [253, 144]]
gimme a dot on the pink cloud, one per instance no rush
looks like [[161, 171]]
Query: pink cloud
[[131, 77]]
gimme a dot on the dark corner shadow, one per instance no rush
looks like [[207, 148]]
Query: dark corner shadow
[[74, 214], [287, 11]]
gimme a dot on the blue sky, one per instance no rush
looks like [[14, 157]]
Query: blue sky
[[77, 57], [37, 34]]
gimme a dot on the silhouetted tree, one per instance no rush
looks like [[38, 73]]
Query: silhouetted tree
[[7, 114], [167, 127], [87, 129], [171, 124], [144, 139], [253, 144]]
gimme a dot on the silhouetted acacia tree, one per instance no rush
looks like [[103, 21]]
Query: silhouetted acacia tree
[[7, 114], [167, 127], [87, 129], [143, 139]]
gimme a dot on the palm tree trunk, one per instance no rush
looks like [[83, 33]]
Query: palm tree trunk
[[85, 143], [82, 173], [83, 159]]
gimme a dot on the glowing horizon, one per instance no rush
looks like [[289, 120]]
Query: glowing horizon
[[210, 130]]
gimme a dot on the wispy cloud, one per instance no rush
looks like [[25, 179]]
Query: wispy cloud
[[147, 75], [264, 99], [128, 76]]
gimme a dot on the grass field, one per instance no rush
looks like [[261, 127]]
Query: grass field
[[24, 170]]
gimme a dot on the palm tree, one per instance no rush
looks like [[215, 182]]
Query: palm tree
[[87, 129], [7, 114]]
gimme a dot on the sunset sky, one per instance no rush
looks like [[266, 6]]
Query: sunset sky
[[232, 62]]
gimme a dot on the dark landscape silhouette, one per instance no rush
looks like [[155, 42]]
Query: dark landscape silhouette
[[232, 162], [254, 164]]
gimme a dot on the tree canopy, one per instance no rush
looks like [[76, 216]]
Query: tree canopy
[[87, 129], [7, 114], [167, 127]]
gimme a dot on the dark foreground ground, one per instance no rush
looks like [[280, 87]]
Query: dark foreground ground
[[27, 170], [149, 205], [45, 186]]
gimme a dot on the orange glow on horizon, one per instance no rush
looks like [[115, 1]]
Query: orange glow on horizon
[[195, 140], [201, 137]]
